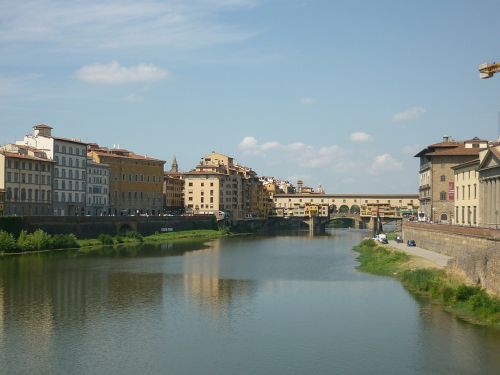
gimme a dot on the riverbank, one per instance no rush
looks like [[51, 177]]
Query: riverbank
[[89, 245], [422, 278]]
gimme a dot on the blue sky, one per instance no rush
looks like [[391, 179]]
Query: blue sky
[[337, 93]]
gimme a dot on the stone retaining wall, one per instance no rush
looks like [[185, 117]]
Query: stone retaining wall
[[475, 251], [91, 227]]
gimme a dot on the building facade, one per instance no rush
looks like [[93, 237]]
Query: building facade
[[173, 190], [467, 209], [26, 178], [136, 186], [70, 157], [98, 180], [219, 184], [489, 187], [437, 178]]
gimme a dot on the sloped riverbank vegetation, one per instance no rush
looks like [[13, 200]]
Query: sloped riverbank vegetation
[[40, 240], [470, 302]]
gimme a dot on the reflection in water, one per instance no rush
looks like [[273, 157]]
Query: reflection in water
[[203, 283], [295, 303]]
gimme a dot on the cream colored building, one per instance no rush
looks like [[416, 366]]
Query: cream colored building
[[467, 211], [219, 184], [70, 155], [489, 187], [98, 176], [26, 177], [437, 178]]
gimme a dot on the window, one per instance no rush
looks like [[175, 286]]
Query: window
[[442, 196], [443, 178], [475, 196]]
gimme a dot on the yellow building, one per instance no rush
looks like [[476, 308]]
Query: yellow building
[[219, 184], [136, 181], [467, 193]]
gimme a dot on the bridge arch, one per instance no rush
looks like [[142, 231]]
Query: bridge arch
[[333, 209], [344, 209], [355, 209]]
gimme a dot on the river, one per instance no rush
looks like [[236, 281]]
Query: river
[[288, 304]]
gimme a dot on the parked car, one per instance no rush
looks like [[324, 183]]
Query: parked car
[[399, 239], [411, 243]]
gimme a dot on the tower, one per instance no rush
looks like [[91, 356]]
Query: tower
[[175, 166]]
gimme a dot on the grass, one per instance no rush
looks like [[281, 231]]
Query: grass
[[471, 302], [106, 244]]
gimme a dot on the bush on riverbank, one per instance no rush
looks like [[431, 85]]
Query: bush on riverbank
[[7, 242], [36, 241], [433, 283]]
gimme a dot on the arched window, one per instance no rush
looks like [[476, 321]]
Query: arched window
[[444, 217], [443, 178], [442, 195]]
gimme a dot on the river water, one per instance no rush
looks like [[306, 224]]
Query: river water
[[287, 304]]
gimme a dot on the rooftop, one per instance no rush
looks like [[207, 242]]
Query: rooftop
[[124, 154], [26, 157], [466, 164]]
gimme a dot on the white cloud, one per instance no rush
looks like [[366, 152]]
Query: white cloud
[[305, 155], [248, 143], [409, 114], [361, 137], [385, 163], [307, 101], [120, 23], [113, 73]]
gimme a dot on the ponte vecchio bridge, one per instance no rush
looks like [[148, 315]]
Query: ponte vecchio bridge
[[363, 209]]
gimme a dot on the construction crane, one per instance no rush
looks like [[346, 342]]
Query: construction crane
[[487, 70]]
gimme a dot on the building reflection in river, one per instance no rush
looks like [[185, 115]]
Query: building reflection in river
[[204, 285]]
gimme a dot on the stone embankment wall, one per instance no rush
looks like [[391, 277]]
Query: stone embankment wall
[[475, 251], [90, 227]]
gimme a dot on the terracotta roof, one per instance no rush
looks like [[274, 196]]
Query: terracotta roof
[[466, 164], [206, 172], [28, 157], [72, 140], [457, 151], [129, 156], [446, 144]]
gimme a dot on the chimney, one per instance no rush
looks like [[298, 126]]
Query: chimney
[[446, 138]]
